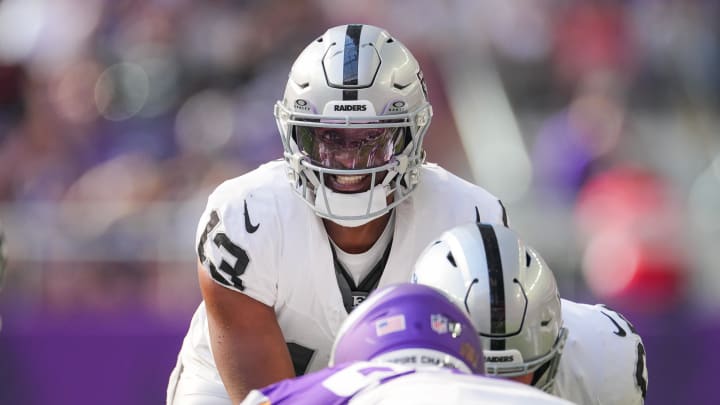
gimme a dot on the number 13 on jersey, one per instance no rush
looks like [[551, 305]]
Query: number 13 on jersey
[[227, 252]]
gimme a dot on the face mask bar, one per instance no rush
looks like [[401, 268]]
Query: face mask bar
[[324, 192], [531, 366], [418, 120], [311, 186], [402, 168]]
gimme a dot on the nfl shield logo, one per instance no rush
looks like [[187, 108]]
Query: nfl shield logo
[[439, 323]]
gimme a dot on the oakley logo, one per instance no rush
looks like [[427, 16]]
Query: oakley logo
[[350, 107], [396, 106], [302, 105], [250, 228]]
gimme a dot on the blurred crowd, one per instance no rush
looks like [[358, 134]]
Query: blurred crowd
[[595, 120], [117, 120]]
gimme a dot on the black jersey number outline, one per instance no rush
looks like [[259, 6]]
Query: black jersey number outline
[[641, 361], [221, 240]]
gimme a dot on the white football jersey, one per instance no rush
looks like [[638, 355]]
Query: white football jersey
[[260, 239], [604, 358]]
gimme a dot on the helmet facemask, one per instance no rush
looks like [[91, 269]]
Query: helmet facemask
[[530, 350], [544, 368]]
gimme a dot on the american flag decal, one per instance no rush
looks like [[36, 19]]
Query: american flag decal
[[391, 324]]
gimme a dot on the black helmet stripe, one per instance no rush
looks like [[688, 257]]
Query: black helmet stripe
[[504, 213], [351, 53], [496, 287]]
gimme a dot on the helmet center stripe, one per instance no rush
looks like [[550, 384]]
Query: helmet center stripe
[[497, 285], [351, 54]]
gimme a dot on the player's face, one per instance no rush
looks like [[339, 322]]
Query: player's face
[[349, 148]]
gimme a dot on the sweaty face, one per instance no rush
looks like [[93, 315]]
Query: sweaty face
[[349, 148]]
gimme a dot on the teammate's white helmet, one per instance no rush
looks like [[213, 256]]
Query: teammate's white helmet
[[508, 291], [355, 105]]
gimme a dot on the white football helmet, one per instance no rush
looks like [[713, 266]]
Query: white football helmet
[[352, 123], [508, 291]]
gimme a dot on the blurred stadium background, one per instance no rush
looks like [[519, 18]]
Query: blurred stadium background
[[596, 122]]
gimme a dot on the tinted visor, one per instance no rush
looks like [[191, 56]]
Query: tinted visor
[[349, 148]]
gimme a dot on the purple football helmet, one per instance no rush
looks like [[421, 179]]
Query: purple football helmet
[[411, 324]]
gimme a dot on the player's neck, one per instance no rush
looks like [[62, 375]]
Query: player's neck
[[359, 239]]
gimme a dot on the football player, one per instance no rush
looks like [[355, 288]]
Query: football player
[[588, 354], [408, 344], [286, 251]]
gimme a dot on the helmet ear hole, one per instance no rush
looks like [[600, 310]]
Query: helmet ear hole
[[528, 259]]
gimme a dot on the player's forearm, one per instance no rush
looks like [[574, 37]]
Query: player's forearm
[[246, 340], [235, 379], [245, 367]]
